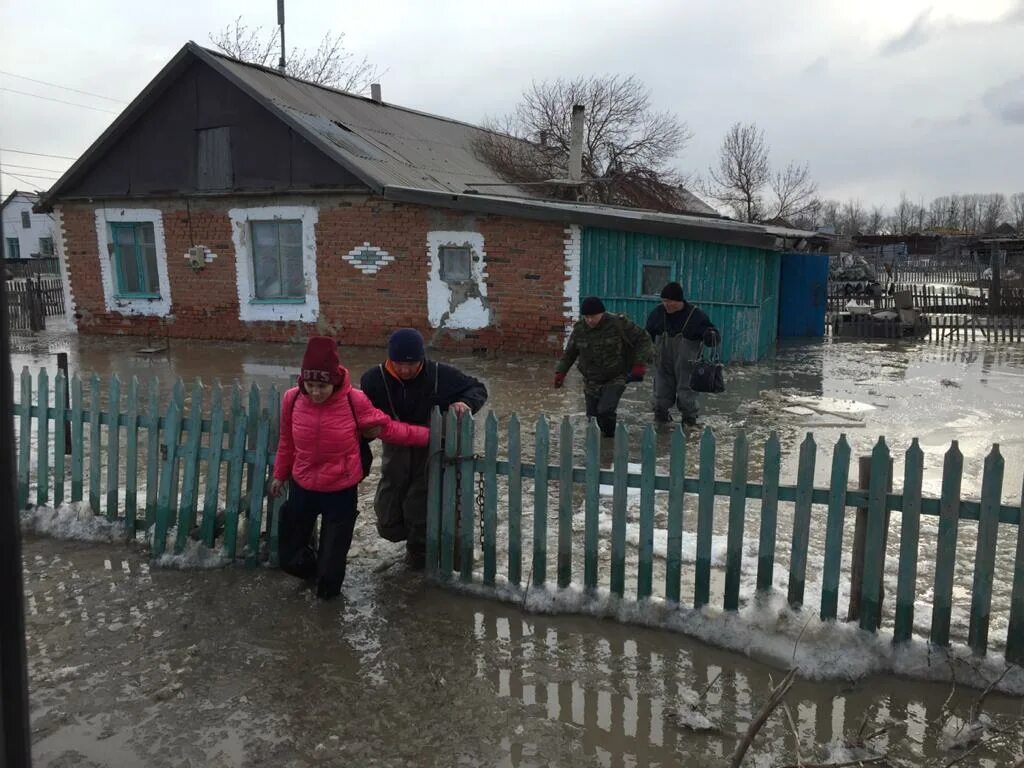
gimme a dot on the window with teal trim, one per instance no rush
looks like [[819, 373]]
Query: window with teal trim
[[134, 253], [653, 276], [13, 248], [277, 260]]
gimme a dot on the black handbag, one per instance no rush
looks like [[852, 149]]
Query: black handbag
[[708, 371]]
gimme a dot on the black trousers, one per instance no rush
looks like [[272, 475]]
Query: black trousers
[[298, 519], [602, 404]]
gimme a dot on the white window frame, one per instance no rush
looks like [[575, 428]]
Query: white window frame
[[472, 314], [249, 307], [160, 306]]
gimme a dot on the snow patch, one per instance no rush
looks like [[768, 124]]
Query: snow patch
[[767, 629], [71, 520]]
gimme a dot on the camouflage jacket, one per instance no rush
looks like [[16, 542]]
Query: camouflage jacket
[[607, 352]]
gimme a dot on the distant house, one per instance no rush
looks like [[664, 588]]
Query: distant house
[[230, 201], [26, 234], [1006, 229]]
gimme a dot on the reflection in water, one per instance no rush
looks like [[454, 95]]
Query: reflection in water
[[635, 702]]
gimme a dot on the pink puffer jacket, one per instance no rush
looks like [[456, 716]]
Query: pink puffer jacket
[[319, 444]]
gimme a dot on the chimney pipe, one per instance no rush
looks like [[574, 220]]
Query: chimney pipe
[[280, 22], [543, 136], [375, 92], [576, 144]]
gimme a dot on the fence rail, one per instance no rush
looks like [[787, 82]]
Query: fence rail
[[31, 301], [204, 470], [45, 265], [939, 328]]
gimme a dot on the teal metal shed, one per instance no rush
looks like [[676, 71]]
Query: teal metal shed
[[738, 286]]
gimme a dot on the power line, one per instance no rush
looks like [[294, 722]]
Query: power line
[[38, 176], [37, 154], [59, 101], [23, 181], [63, 87], [31, 168]]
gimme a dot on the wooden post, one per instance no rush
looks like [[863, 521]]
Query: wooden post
[[994, 294], [62, 366], [859, 537]]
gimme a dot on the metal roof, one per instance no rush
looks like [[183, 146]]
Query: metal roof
[[383, 144], [407, 155], [608, 216]]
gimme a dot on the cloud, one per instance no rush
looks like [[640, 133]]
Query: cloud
[[917, 34], [958, 121], [817, 67], [1006, 101], [924, 28]]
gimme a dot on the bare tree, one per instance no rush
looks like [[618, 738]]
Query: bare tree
[[742, 173], [831, 215], [993, 210], [903, 216], [1017, 211], [811, 216], [853, 218], [629, 147], [876, 220], [793, 189], [330, 64]]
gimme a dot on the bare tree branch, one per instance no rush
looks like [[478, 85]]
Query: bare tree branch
[[629, 148], [330, 64], [793, 189], [742, 172]]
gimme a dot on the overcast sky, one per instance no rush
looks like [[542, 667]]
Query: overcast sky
[[878, 96]]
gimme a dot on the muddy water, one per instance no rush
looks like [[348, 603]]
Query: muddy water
[[138, 666], [133, 666]]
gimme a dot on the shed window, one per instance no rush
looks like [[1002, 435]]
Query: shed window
[[13, 248], [455, 264], [26, 220], [653, 278], [277, 260], [134, 255]]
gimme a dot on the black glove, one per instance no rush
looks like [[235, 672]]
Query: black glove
[[712, 338]]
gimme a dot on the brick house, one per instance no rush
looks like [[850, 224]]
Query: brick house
[[229, 201]]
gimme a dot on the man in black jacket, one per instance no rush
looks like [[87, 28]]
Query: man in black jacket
[[407, 387], [677, 328]]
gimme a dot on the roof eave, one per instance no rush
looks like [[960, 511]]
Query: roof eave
[[535, 209], [117, 128]]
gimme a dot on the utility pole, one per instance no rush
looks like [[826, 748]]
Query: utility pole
[[15, 736], [280, 23]]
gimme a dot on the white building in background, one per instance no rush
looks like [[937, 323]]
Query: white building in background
[[27, 235]]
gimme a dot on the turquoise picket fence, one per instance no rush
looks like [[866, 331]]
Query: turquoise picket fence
[[198, 464], [455, 506], [203, 469]]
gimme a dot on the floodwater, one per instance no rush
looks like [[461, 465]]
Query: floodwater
[[136, 665]]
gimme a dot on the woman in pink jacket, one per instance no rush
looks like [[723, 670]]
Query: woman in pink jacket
[[321, 422]]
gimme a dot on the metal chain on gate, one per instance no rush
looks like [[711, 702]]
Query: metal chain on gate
[[480, 506]]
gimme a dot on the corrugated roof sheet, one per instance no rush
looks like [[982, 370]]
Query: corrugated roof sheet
[[391, 145]]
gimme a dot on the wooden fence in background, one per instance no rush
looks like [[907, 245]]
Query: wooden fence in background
[[31, 301]]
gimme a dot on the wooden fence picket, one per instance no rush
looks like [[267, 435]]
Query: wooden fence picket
[[462, 484]]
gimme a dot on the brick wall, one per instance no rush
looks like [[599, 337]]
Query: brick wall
[[525, 275]]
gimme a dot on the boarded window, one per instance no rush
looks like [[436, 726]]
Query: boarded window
[[213, 164], [26, 220], [133, 249], [46, 246], [455, 264], [277, 260], [653, 278]]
